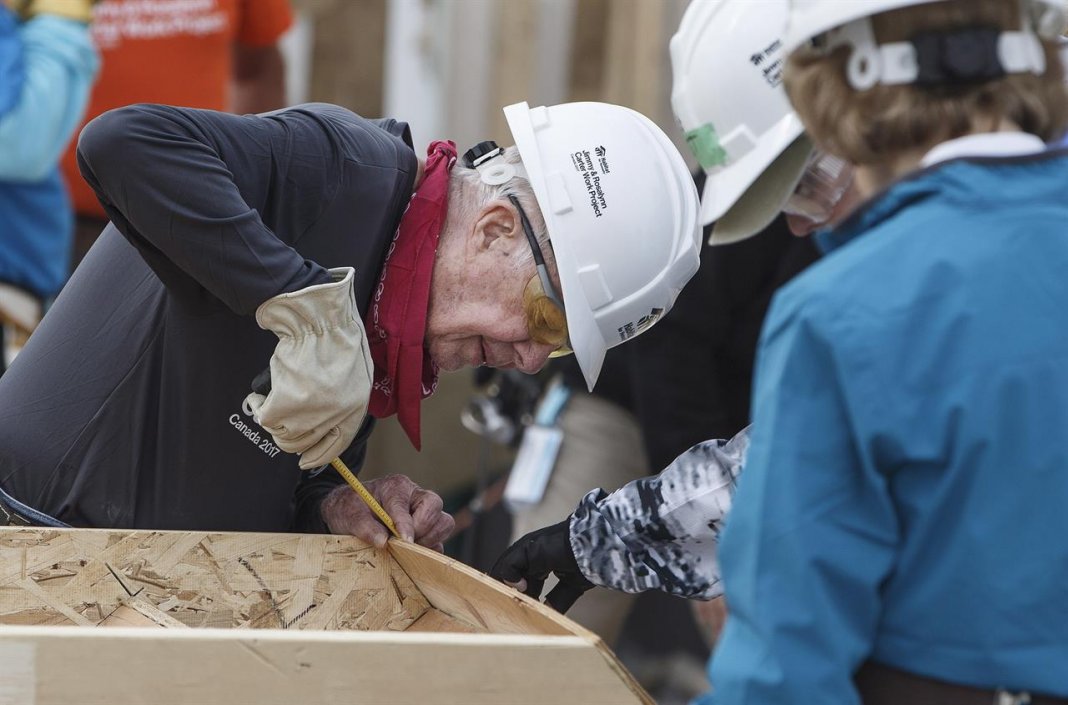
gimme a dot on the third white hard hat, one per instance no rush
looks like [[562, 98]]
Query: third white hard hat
[[620, 206], [727, 62], [811, 18]]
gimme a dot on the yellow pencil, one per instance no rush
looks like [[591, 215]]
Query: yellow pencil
[[366, 496], [262, 385]]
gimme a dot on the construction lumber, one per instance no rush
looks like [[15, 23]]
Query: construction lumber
[[284, 581], [434, 620], [138, 613], [277, 618], [128, 666], [463, 592]]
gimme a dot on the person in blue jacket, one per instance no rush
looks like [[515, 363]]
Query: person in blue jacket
[[47, 66], [898, 533]]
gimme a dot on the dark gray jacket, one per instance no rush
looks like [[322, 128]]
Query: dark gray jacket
[[125, 408]]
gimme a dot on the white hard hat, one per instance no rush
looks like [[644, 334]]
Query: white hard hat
[[620, 207], [727, 63], [896, 63], [811, 18]]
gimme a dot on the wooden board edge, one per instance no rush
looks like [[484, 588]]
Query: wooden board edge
[[131, 666], [478, 598], [478, 589]]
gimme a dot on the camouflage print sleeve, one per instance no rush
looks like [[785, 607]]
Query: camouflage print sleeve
[[661, 532]]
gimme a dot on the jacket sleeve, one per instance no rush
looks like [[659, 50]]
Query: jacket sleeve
[[60, 64], [660, 533], [812, 533], [314, 486], [12, 63], [187, 188]]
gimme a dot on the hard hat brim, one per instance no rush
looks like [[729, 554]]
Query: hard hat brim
[[764, 200], [727, 184]]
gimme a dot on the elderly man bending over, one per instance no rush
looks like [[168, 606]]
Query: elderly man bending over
[[316, 241]]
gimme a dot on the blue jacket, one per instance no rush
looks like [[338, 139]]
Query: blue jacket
[[905, 496], [47, 66]]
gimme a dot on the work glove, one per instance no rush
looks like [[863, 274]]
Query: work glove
[[527, 563], [77, 10], [321, 370]]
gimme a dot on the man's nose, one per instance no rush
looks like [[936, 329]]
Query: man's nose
[[532, 356]]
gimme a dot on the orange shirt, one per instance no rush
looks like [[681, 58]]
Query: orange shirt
[[176, 52]]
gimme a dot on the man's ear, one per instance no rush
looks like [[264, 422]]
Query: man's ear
[[496, 225]]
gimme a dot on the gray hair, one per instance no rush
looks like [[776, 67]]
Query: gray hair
[[468, 195]]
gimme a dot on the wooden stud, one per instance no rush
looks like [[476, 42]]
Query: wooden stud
[[138, 665]]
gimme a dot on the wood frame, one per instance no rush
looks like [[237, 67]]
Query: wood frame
[[277, 618]]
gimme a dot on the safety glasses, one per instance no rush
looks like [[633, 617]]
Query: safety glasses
[[824, 183], [543, 271]]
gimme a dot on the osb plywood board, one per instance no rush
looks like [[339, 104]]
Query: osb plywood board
[[242, 581], [464, 593], [310, 619]]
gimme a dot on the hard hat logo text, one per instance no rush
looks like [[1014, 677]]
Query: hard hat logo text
[[591, 176], [770, 61], [629, 330]]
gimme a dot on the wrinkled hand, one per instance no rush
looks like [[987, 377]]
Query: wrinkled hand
[[416, 512], [527, 563]]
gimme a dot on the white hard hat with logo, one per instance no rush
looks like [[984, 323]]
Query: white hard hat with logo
[[727, 61], [620, 207], [896, 63]]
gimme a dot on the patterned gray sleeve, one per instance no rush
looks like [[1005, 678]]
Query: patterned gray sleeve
[[661, 532]]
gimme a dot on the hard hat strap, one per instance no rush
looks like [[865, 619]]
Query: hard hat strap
[[937, 58], [539, 257], [488, 159]]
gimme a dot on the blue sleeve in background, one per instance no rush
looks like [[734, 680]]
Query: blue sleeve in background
[[12, 68], [47, 66], [60, 64]]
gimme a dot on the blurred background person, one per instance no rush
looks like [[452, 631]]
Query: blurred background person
[[47, 65], [214, 54]]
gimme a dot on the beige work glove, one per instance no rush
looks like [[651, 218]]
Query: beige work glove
[[321, 371]]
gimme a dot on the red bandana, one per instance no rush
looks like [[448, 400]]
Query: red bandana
[[396, 323]]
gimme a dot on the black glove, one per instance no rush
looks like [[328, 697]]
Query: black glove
[[539, 553]]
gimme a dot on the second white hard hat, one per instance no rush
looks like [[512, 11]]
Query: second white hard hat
[[727, 60], [620, 206]]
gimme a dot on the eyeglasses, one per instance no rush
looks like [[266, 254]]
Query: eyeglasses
[[543, 270], [823, 184]]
